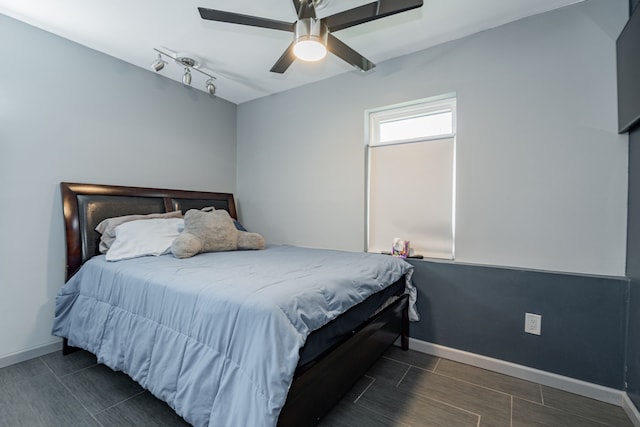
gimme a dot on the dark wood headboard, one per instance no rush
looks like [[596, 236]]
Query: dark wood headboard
[[85, 205]]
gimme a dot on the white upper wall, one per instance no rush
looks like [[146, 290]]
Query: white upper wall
[[541, 171], [68, 113]]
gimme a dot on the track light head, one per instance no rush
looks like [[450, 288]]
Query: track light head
[[158, 64], [211, 87], [186, 77]]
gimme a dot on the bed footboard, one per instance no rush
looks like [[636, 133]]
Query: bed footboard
[[317, 390]]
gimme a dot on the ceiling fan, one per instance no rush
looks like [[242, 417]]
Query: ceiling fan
[[312, 36]]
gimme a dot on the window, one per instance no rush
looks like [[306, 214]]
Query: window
[[411, 176]]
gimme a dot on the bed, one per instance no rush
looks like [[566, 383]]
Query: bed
[[316, 361]]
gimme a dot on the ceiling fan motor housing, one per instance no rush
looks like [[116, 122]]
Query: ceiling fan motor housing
[[310, 29]]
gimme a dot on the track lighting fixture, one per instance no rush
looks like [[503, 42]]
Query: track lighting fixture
[[189, 64]]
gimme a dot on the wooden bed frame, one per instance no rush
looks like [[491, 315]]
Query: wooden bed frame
[[315, 390]]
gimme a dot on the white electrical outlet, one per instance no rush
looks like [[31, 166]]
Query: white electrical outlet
[[532, 323]]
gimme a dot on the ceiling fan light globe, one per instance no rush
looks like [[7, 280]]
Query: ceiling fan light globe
[[310, 37], [309, 50]]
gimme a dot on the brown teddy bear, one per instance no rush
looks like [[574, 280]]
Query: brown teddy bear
[[210, 230]]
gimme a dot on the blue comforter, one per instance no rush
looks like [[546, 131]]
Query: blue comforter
[[216, 336]]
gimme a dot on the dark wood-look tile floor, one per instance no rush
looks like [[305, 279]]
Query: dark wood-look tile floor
[[401, 389]]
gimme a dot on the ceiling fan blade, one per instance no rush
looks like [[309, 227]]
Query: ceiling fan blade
[[347, 54], [236, 18], [369, 12], [285, 60]]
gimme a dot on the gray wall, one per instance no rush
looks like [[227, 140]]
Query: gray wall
[[541, 185], [633, 260], [68, 113], [481, 310], [541, 170], [632, 378], [633, 269]]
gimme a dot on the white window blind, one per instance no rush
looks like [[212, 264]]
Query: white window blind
[[411, 177]]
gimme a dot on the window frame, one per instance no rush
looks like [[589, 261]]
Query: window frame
[[421, 107], [418, 108]]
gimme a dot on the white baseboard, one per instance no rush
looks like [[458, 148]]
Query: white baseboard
[[583, 388], [631, 410], [31, 353]]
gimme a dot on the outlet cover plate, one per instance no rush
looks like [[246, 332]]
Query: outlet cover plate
[[532, 323]]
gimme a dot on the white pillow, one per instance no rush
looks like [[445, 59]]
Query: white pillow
[[144, 237], [107, 227]]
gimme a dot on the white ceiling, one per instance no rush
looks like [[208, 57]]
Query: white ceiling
[[240, 57]]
